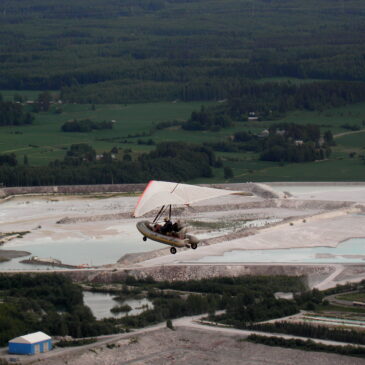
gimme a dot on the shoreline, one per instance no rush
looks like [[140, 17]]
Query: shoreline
[[13, 254]]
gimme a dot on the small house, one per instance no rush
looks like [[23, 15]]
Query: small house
[[33, 343], [252, 116]]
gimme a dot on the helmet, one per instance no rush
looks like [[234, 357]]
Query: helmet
[[166, 219]]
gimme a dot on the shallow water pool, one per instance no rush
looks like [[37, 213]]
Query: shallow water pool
[[78, 251], [101, 304], [350, 251]]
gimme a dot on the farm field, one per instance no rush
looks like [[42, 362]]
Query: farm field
[[44, 141], [135, 124]]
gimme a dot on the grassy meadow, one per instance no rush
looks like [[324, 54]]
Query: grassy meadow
[[44, 141]]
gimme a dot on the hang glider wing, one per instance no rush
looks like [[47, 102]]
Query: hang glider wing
[[159, 193]]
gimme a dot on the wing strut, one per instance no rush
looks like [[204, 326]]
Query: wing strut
[[159, 213]]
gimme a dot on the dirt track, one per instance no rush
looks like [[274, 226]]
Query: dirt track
[[193, 346]]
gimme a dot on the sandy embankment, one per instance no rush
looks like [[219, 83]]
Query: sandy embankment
[[13, 254]]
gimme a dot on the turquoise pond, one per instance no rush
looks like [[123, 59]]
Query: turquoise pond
[[350, 251], [94, 252]]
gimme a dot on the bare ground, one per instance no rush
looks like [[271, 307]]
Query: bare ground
[[194, 346]]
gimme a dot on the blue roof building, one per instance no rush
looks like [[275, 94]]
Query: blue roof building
[[31, 344]]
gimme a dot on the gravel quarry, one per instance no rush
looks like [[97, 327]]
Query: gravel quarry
[[288, 216]]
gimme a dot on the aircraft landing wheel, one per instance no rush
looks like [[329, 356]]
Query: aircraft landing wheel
[[144, 238], [194, 246], [173, 250]]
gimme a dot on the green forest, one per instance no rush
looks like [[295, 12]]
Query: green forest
[[307, 345], [143, 50], [125, 76]]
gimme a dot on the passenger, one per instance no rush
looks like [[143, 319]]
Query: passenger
[[176, 226], [177, 229], [167, 227]]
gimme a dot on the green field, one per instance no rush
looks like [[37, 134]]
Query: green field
[[328, 170], [8, 95], [353, 141], [44, 141]]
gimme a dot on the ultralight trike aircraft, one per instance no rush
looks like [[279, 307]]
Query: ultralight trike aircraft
[[163, 195]]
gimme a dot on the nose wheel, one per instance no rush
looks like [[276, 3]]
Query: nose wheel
[[173, 250], [144, 238], [194, 246]]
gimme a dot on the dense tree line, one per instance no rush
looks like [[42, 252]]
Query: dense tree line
[[13, 114], [257, 285], [8, 159], [307, 345], [85, 125], [169, 161], [207, 120], [270, 99], [346, 288], [314, 331]]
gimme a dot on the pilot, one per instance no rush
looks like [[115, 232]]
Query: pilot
[[167, 227]]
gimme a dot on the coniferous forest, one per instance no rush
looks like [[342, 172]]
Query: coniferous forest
[[125, 51]]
